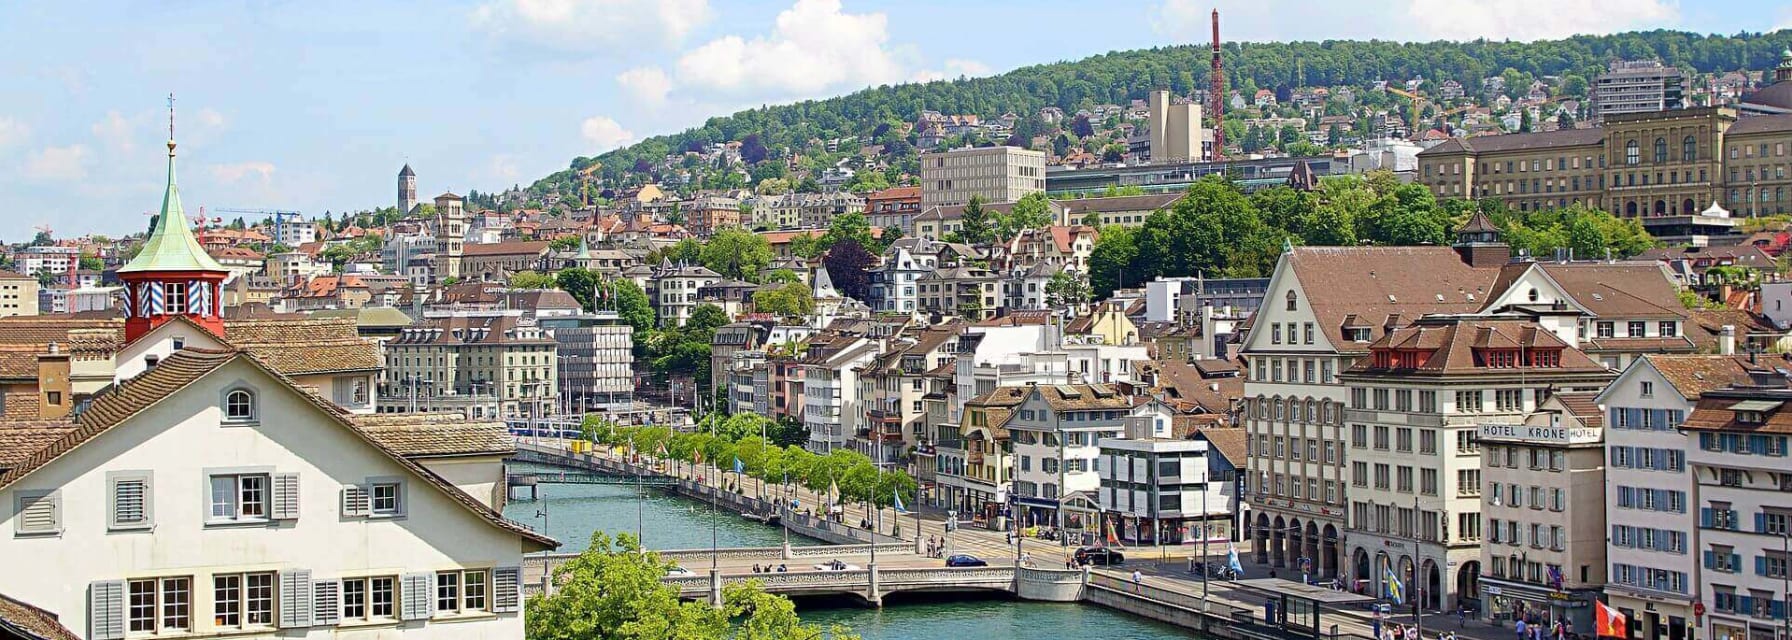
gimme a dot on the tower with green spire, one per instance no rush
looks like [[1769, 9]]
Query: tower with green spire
[[172, 275]]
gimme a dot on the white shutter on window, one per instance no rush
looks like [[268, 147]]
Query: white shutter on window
[[40, 514], [131, 506], [286, 496], [295, 598], [418, 601], [326, 608], [355, 501], [105, 610], [506, 594]]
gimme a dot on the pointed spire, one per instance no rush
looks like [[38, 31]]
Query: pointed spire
[[171, 245]]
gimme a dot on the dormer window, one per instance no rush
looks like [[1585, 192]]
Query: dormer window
[[1291, 301], [239, 406], [1357, 334]]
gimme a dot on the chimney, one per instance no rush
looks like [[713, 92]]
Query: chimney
[[1726, 340], [54, 391]]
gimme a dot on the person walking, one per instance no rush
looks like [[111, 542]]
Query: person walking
[[1138, 580]]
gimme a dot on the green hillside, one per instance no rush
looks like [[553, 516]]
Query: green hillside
[[1119, 77]]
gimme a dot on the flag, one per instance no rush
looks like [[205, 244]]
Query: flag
[[1609, 622], [833, 489], [897, 496], [1232, 558], [1555, 577], [697, 457], [738, 467], [1391, 586]]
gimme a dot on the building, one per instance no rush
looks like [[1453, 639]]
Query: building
[[1543, 510], [1065, 180], [496, 262], [49, 258], [832, 406], [893, 208], [973, 293], [596, 359], [451, 237], [1125, 211], [1418, 404], [1176, 131], [894, 279], [1056, 432], [296, 233], [1631, 86], [482, 364], [1158, 489], [1776, 97], [1736, 449], [18, 294], [710, 214], [996, 174], [677, 289], [1652, 563], [407, 190], [369, 532]]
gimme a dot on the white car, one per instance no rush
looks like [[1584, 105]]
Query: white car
[[839, 567], [676, 570]]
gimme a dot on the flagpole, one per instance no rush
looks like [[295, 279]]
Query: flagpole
[[1418, 612]]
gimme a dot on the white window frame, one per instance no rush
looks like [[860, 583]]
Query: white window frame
[[24, 499], [238, 480], [226, 405], [366, 586], [164, 616], [242, 600]]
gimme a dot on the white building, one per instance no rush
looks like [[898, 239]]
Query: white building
[[1156, 487], [52, 258], [995, 174], [677, 289], [297, 233], [1737, 449], [1056, 432], [211, 496], [832, 407], [893, 281]]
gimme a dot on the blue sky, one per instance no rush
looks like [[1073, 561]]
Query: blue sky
[[313, 105]]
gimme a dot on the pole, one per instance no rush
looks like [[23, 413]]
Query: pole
[[640, 508], [1205, 534], [1418, 592], [1063, 467]]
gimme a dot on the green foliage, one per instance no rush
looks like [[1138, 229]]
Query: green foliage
[[736, 253], [531, 280], [974, 225], [565, 243], [1066, 289], [782, 276], [793, 299], [1032, 211], [92, 263], [581, 284], [1588, 233]]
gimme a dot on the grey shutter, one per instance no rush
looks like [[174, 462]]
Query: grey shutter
[[505, 591], [286, 496], [355, 501], [132, 501], [326, 609], [105, 610], [419, 596], [295, 598], [39, 512]]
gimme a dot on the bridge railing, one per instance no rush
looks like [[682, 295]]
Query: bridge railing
[[1188, 601]]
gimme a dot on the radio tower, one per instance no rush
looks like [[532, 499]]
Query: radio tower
[[1216, 92]]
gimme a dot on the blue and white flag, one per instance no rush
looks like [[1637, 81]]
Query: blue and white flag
[[1232, 558], [738, 467], [897, 496], [1391, 586]]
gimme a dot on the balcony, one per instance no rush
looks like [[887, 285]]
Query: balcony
[[973, 457]]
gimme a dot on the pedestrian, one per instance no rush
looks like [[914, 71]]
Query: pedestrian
[[1519, 627], [1461, 616], [1138, 579]]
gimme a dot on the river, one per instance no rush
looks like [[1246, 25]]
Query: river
[[575, 511]]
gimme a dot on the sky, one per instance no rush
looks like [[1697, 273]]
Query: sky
[[314, 105]]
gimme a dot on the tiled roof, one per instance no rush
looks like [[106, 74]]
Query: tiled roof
[[433, 435], [20, 439], [1452, 343], [1582, 406], [174, 373], [18, 619], [1716, 411], [305, 347], [1232, 442], [1079, 397], [1619, 290], [531, 247], [1693, 375], [1373, 283], [1519, 142]]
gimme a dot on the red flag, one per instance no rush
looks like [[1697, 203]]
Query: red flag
[[1609, 622]]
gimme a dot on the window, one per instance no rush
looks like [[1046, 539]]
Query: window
[[239, 497], [1632, 153], [1291, 300], [130, 494], [387, 498], [1508, 399], [1635, 329], [1604, 329], [239, 406], [1275, 333], [38, 513], [174, 298], [1689, 149], [160, 605], [243, 599]]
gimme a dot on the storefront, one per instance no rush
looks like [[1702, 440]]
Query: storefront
[[1536, 603], [1653, 617]]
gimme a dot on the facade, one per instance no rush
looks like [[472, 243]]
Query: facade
[[973, 293], [893, 208], [1736, 448], [996, 174], [484, 364], [18, 294], [407, 190], [710, 214], [1156, 488], [1176, 132], [451, 236], [155, 517], [894, 285], [495, 262], [677, 289], [1543, 505], [1630, 86], [832, 407], [595, 355], [1056, 432], [1126, 211]]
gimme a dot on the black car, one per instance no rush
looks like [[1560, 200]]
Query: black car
[[962, 560], [1099, 556]]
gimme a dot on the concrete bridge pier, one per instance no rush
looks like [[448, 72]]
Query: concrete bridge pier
[[875, 597]]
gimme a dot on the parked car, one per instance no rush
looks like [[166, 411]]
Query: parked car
[[963, 560], [676, 570], [1099, 556]]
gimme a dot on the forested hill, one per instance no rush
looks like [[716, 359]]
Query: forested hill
[[1122, 76]]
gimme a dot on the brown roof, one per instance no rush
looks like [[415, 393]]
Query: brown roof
[[524, 247], [1693, 375], [1373, 283], [1614, 290], [1716, 411], [126, 400], [1452, 343], [432, 435], [1187, 382], [1775, 123], [1148, 202], [1707, 326], [309, 346], [30, 623], [1520, 141], [1582, 405], [1079, 397], [19, 439], [1232, 442]]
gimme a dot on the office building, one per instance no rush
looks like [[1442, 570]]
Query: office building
[[995, 174]]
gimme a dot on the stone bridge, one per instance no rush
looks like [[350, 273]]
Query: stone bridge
[[871, 584]]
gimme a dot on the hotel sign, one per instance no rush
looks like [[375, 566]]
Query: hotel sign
[[1547, 434]]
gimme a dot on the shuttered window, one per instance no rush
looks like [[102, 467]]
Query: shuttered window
[[105, 610], [286, 496], [326, 603], [295, 599], [417, 601], [506, 591], [355, 501], [132, 500], [39, 513]]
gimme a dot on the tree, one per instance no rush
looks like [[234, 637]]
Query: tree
[[1082, 127], [92, 263], [704, 320], [1066, 289], [850, 226], [751, 150], [1032, 211], [580, 283], [736, 253], [631, 304], [974, 225], [43, 239], [564, 243], [789, 300], [531, 280], [1565, 119], [1110, 259], [847, 262]]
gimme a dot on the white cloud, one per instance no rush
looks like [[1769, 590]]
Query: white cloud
[[593, 25], [814, 47], [1535, 19], [649, 85], [605, 133], [12, 131], [1190, 21], [116, 131], [954, 68], [260, 171], [210, 118], [58, 163], [504, 167]]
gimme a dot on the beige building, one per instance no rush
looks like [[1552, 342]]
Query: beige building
[[997, 174], [18, 294], [483, 364], [1543, 504], [451, 236], [966, 291], [1176, 132]]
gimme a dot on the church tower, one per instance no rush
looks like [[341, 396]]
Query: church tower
[[451, 235], [172, 275], [407, 190]]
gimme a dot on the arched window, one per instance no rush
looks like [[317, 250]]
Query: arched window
[[1532, 295], [239, 406], [1291, 298], [1279, 409], [1633, 154], [1630, 208], [1689, 149], [1661, 149], [1687, 207]]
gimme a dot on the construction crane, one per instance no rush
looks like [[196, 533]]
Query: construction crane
[[278, 215]]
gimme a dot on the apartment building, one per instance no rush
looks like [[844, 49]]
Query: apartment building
[[1653, 559], [1158, 489], [1056, 432], [1417, 406], [1629, 86], [966, 291], [675, 290], [996, 174], [1543, 505], [894, 281], [18, 294], [595, 358], [893, 208], [832, 407], [483, 364], [1737, 449], [893, 386]]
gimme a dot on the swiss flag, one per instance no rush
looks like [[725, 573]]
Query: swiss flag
[[1608, 622]]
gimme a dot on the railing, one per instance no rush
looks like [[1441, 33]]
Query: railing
[[1166, 596]]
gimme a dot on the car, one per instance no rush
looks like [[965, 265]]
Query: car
[[1099, 556], [963, 560], [676, 570]]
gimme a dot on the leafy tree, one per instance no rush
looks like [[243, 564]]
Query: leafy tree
[[1565, 120], [632, 306], [92, 263], [704, 320], [974, 225], [1082, 127], [42, 239], [1109, 261], [580, 283], [1066, 289], [736, 253], [782, 276], [564, 243], [789, 300], [847, 262], [532, 280], [1032, 211], [850, 226], [752, 151], [47, 278]]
